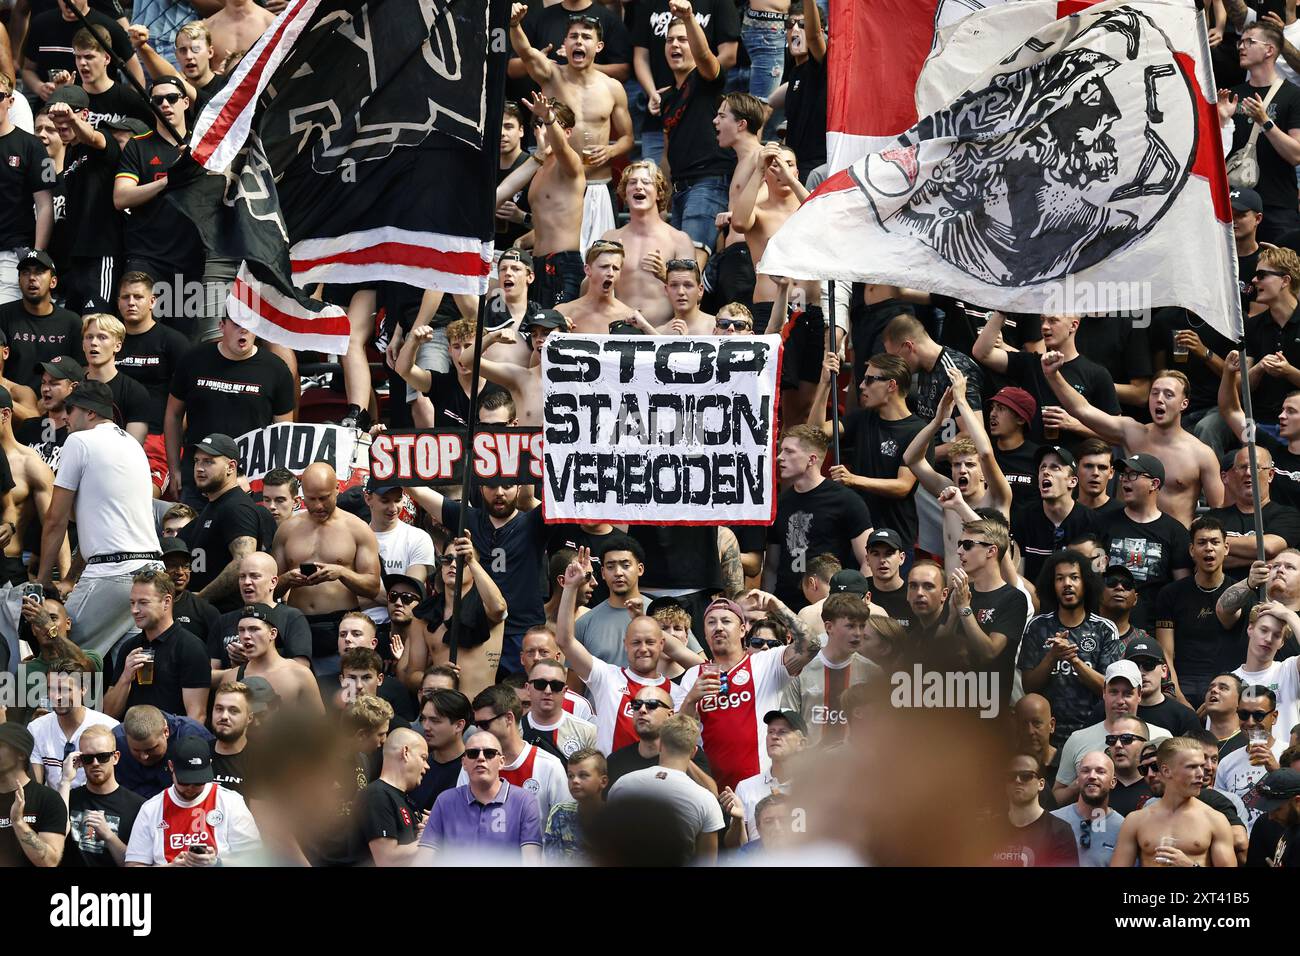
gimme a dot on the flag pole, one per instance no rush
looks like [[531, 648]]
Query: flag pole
[[471, 425], [835, 382], [1249, 435]]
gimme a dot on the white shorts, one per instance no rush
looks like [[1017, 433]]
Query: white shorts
[[597, 214]]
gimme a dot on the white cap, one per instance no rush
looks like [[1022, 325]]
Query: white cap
[[1126, 670]]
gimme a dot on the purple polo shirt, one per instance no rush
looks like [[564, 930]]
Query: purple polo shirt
[[510, 819]]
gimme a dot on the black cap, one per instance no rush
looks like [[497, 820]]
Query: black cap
[[259, 612], [790, 717], [1120, 571], [18, 737], [94, 397], [413, 583], [168, 79], [223, 446], [353, 501], [38, 257], [1244, 199], [191, 759], [1148, 465], [516, 255], [1145, 648], [172, 546], [380, 488], [63, 367], [850, 581], [545, 319], [263, 694], [1277, 787], [74, 96], [127, 124], [1067, 458], [886, 536]]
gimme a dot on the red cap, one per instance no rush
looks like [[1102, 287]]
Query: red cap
[[1019, 401]]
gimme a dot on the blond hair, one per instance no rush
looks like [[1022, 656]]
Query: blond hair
[[106, 323], [195, 30], [462, 330], [367, 713], [662, 197], [1285, 260]]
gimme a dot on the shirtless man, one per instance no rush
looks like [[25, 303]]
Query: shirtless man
[[1190, 465], [599, 105], [524, 382], [739, 125], [31, 493], [648, 240], [598, 307], [293, 682], [684, 292], [235, 29], [327, 560], [555, 196], [1180, 830]]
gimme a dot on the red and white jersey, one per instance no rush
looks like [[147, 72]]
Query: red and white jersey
[[168, 825], [735, 738], [579, 707], [537, 772], [614, 687]]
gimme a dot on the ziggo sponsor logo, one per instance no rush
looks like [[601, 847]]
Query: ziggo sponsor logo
[[726, 701]]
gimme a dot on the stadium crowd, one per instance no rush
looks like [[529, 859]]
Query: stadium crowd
[[1043, 523]]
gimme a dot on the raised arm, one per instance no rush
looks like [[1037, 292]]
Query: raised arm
[[412, 374], [513, 377], [556, 136], [814, 34], [999, 487], [744, 209], [988, 349], [1230, 395], [536, 62], [914, 456], [803, 647], [1111, 428], [494, 602], [578, 657], [517, 181], [706, 64]]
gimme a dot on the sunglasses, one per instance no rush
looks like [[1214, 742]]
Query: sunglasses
[[650, 705], [1268, 272], [1123, 740], [488, 753], [1021, 776], [966, 544], [1150, 767], [402, 597], [1146, 665], [97, 758], [733, 324], [585, 19], [162, 98], [1121, 583], [759, 643], [484, 724], [876, 378], [554, 686], [447, 559], [1259, 716]]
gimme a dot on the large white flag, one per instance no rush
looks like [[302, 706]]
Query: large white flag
[[1082, 171]]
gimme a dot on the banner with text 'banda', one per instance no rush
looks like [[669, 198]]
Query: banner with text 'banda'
[[503, 455], [660, 430]]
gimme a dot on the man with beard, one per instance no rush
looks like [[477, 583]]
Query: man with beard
[[291, 681], [257, 581], [46, 435], [444, 717], [1124, 746], [232, 715], [228, 529], [37, 329], [1094, 823], [1067, 648], [612, 687], [649, 242], [1035, 726], [101, 812], [1033, 837], [31, 494], [1194, 642], [1179, 830], [327, 559], [1043, 526], [1281, 522]]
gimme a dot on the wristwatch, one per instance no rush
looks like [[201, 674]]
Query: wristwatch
[[1268, 125], [966, 611]]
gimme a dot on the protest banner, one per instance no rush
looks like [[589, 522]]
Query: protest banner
[[295, 446], [659, 430], [503, 455]]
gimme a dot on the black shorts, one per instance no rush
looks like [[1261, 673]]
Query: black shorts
[[90, 284], [325, 633], [558, 278], [13, 570]]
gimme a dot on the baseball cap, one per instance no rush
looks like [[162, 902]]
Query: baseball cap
[[1143, 648], [1124, 670], [1019, 401], [886, 536], [74, 96], [1148, 465], [726, 604], [517, 255], [94, 397], [1067, 458], [790, 717], [170, 546], [850, 581], [1277, 787], [169, 80], [127, 124], [545, 319], [223, 446], [191, 759], [18, 737], [353, 501], [263, 694], [379, 487], [1120, 571], [63, 367], [413, 583], [41, 259], [259, 612], [1244, 199]]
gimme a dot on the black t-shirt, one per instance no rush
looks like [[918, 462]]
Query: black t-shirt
[[34, 339], [1168, 322], [110, 8], [1279, 519], [1202, 646], [572, 536], [1174, 716], [1286, 472], [824, 520], [1017, 466], [118, 102], [719, 19], [451, 401], [151, 358], [180, 662], [44, 813], [203, 95], [40, 435], [1126, 798], [439, 777], [384, 812], [1084, 375], [1264, 337], [550, 25], [1048, 841], [209, 536], [25, 170], [877, 452], [231, 397], [679, 556], [49, 40], [292, 638], [195, 615], [1004, 610], [1277, 183], [85, 847], [130, 398], [805, 112], [688, 111], [157, 231], [894, 602], [1038, 537], [1152, 552], [93, 224], [627, 759], [232, 771], [1117, 345], [475, 628], [506, 231], [928, 387]]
